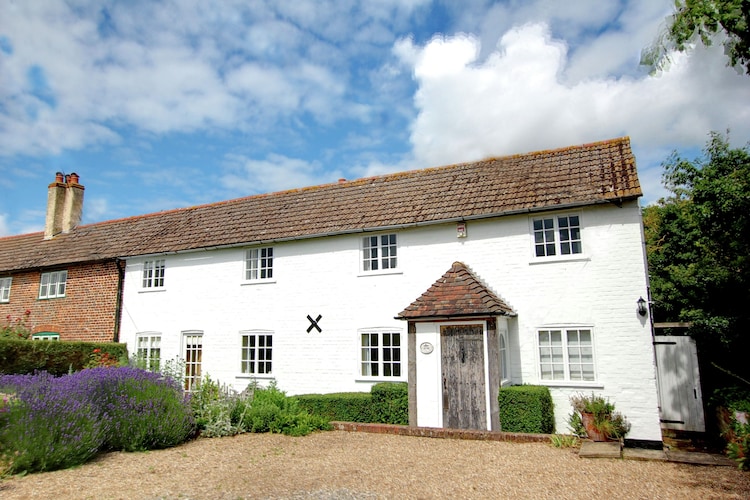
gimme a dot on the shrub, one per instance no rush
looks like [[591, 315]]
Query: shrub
[[56, 358], [390, 403], [220, 411], [341, 406], [526, 408], [272, 411], [605, 421], [733, 409], [16, 328]]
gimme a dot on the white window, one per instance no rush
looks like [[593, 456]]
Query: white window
[[259, 264], [557, 235], [566, 354], [193, 349], [153, 273], [504, 358], [379, 252], [256, 352], [45, 336], [5, 289], [380, 353], [148, 350], [53, 285]]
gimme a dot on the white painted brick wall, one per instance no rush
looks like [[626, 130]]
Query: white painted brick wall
[[205, 291]]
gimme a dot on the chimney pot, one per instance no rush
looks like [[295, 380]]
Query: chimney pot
[[342, 180], [73, 178], [59, 178]]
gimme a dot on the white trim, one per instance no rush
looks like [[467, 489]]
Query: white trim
[[559, 256], [255, 332], [5, 285], [567, 381], [390, 270], [403, 362]]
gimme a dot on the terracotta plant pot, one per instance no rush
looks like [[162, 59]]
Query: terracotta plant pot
[[588, 424]]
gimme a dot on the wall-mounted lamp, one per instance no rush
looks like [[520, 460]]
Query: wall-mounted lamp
[[642, 309]]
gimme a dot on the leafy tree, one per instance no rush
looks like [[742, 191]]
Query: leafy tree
[[701, 20], [698, 244]]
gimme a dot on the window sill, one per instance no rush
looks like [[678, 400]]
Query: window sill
[[380, 379], [51, 298], [575, 384], [152, 290], [250, 376], [559, 258], [363, 274], [257, 282]]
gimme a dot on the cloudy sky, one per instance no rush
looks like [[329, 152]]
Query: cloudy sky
[[167, 104]]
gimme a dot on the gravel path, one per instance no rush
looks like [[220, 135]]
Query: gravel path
[[340, 464]]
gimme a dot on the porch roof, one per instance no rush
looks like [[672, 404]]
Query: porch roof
[[458, 293]]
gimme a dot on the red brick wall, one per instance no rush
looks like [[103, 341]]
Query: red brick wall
[[88, 312]]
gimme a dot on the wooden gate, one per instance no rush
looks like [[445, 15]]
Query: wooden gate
[[462, 348], [680, 399]]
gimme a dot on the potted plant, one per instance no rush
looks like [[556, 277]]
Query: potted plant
[[596, 417]]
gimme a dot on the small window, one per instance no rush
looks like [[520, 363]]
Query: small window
[[148, 350], [52, 285], [5, 289], [153, 273], [256, 353], [380, 354], [566, 354], [259, 264], [379, 252], [46, 336], [557, 235], [504, 359], [193, 349]]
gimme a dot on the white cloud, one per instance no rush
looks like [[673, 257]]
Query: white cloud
[[246, 176]]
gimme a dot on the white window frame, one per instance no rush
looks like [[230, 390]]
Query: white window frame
[[49, 336], [148, 349], [154, 272], [379, 253], [258, 266], [192, 349], [385, 353], [256, 353], [555, 235], [504, 351], [566, 359], [53, 285], [5, 285]]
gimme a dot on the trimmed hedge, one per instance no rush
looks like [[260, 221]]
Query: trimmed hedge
[[390, 403], [56, 358], [526, 408], [342, 406]]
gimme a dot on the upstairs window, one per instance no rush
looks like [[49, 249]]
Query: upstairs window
[[5, 289], [379, 252], [557, 235], [256, 353], [380, 354], [153, 273], [52, 285], [259, 264]]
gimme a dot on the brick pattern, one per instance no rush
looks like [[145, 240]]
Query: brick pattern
[[436, 432], [591, 173], [86, 313]]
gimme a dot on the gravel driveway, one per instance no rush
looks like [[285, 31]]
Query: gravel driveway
[[340, 464]]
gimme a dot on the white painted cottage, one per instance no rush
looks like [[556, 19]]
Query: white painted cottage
[[524, 269]]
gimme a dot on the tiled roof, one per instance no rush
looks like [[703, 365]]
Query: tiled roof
[[591, 173], [457, 293]]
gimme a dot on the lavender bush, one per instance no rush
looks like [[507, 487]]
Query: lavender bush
[[54, 423]]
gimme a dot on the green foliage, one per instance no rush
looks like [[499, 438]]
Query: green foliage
[[698, 21], [390, 403], [272, 411], [526, 408], [56, 358], [564, 441], [698, 244], [16, 328], [341, 406], [606, 420]]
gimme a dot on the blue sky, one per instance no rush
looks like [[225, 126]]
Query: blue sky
[[167, 104]]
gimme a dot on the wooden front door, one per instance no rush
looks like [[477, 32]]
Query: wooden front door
[[464, 397]]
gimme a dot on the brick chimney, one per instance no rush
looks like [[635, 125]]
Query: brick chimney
[[64, 205]]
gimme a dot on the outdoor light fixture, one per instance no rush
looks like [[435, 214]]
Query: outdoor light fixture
[[642, 307]]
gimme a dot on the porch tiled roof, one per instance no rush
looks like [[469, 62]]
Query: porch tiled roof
[[457, 293], [591, 173]]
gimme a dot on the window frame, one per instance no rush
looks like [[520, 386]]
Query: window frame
[[265, 351], [193, 364], [382, 352], [153, 363], [504, 353], [46, 336], [153, 276], [60, 284], [259, 260], [6, 283], [367, 259], [565, 350], [557, 231]]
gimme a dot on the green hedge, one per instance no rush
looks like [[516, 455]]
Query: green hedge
[[341, 406], [386, 403], [57, 358], [526, 408]]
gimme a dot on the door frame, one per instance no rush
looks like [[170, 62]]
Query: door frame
[[485, 368]]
